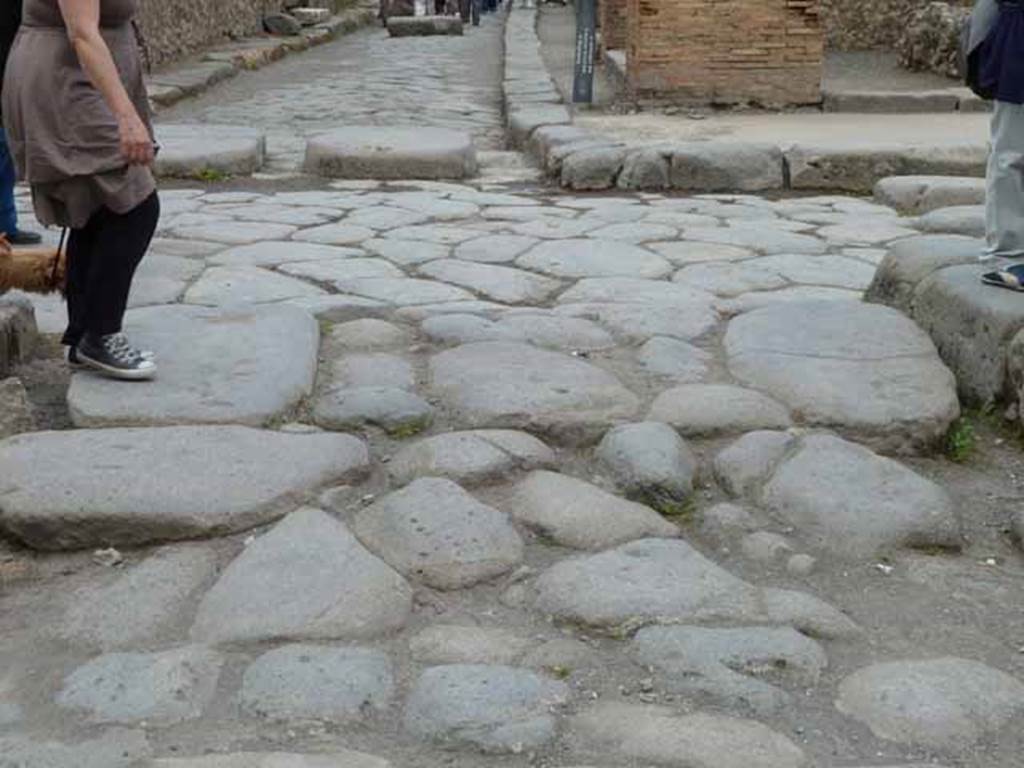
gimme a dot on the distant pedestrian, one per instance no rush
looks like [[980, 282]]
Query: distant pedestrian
[[10, 20], [77, 117], [996, 57]]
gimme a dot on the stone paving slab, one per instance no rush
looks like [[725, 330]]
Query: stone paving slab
[[921, 194], [191, 151], [63, 491], [357, 152]]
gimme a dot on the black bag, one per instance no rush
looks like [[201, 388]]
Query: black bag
[[969, 64]]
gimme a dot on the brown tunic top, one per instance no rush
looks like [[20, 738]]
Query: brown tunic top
[[63, 137]]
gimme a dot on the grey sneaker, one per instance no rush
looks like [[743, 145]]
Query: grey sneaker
[[113, 356], [74, 362]]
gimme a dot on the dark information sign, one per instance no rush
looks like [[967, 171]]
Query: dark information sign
[[586, 43]]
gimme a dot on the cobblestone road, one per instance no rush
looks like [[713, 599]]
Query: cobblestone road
[[366, 78]]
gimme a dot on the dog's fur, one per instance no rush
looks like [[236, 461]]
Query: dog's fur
[[35, 270]]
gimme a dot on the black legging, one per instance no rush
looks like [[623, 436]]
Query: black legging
[[102, 257]]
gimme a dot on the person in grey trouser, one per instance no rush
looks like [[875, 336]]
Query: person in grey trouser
[[997, 40]]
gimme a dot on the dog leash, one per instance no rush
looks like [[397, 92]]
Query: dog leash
[[56, 262]]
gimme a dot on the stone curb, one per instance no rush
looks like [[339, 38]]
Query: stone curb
[[541, 124], [190, 79]]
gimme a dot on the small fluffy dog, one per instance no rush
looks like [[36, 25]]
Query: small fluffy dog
[[34, 270]]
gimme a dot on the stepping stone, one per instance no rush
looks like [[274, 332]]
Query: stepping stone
[[944, 703], [447, 644], [197, 149], [921, 194], [666, 581], [423, 26], [141, 605], [576, 514], [652, 734], [650, 463], [494, 709], [315, 682], [343, 759], [967, 220], [307, 579], [699, 410], [114, 748], [155, 688], [674, 359], [507, 385], [243, 365], [725, 667], [541, 330], [504, 284], [376, 152], [593, 258], [972, 325], [841, 496], [864, 370], [495, 249], [470, 458], [910, 261], [63, 492], [227, 286], [435, 532], [397, 411]]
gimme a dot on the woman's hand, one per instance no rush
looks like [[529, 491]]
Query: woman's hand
[[136, 144]]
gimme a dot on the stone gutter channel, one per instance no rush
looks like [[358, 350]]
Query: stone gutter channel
[[541, 124], [194, 76]]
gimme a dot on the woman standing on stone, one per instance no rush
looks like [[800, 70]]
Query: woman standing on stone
[[78, 123]]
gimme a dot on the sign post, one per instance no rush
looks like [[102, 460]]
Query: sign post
[[586, 46]]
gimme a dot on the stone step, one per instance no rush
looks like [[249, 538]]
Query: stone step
[[375, 152], [922, 194], [424, 26], [207, 151]]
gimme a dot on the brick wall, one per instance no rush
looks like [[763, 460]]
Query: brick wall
[[612, 18], [177, 28], [725, 51]]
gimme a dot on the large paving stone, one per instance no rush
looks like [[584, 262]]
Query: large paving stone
[[743, 467], [298, 682], [395, 410], [220, 286], [470, 458], [710, 409], [114, 748], [576, 258], [945, 703], [829, 270], [162, 279], [244, 365], [189, 151], [972, 325], [404, 291], [662, 736], [307, 579], [504, 284], [492, 708], [335, 759], [846, 499], [18, 332], [663, 581], [910, 261], [731, 667], [141, 605], [67, 490], [499, 384], [537, 327], [334, 273], [157, 688], [450, 644], [650, 463], [763, 240], [435, 532], [376, 152], [576, 514], [675, 360], [711, 166], [865, 370], [920, 194], [494, 248], [967, 220]]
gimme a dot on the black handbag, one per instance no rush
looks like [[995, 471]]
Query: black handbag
[[969, 64]]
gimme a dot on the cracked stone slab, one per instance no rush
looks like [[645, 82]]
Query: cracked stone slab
[[240, 365], [494, 709], [580, 515], [63, 490], [308, 578], [470, 458], [737, 667], [508, 385], [376, 152], [663, 736], [865, 370], [944, 703], [666, 581], [495, 283], [435, 532], [580, 258], [157, 688], [297, 682]]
